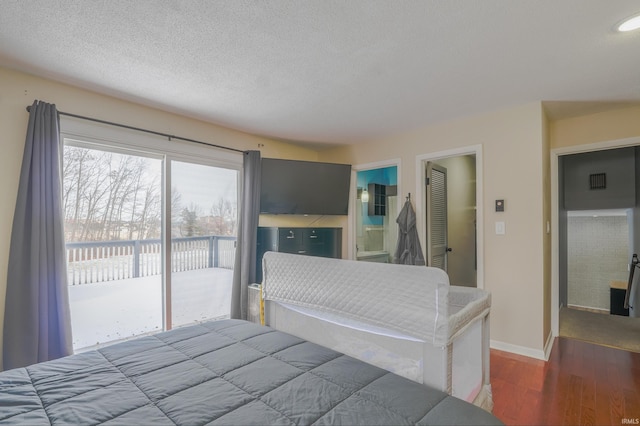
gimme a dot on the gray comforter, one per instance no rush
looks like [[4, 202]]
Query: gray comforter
[[222, 372]]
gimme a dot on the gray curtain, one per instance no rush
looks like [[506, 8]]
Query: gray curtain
[[244, 271], [37, 325]]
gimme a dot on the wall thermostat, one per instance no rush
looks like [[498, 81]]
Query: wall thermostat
[[499, 205]]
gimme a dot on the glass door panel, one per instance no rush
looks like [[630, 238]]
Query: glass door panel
[[204, 202], [112, 205]]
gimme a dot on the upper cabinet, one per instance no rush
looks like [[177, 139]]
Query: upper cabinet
[[377, 199]]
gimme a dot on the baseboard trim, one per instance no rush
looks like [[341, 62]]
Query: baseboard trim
[[548, 346], [517, 349], [589, 309]]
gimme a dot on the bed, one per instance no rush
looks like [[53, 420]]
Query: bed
[[227, 372]]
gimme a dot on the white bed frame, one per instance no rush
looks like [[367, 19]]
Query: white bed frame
[[405, 319]]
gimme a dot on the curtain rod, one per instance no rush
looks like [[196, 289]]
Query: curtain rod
[[166, 135]]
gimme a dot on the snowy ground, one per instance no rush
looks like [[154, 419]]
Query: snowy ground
[[116, 310]]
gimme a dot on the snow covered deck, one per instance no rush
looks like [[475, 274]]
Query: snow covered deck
[[109, 311]]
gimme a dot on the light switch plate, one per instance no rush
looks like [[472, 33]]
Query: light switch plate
[[500, 228]]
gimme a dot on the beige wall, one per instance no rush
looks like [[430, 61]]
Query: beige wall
[[513, 146], [17, 90], [602, 127]]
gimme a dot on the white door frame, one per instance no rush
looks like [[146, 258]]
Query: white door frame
[[421, 161], [351, 229], [555, 213]]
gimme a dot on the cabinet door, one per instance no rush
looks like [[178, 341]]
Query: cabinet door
[[314, 242], [290, 240], [329, 242]]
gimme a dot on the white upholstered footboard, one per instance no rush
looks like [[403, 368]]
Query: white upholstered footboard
[[405, 319]]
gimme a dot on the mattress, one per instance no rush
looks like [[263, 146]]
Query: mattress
[[222, 372]]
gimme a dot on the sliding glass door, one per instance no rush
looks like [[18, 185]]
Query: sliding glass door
[[113, 212], [150, 240], [203, 234]]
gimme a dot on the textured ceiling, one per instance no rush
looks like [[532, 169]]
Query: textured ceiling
[[328, 71]]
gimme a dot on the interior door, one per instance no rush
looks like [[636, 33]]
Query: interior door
[[437, 241]]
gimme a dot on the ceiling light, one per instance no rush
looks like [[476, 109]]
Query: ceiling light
[[630, 24]]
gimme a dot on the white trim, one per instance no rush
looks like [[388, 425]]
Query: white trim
[[603, 213], [555, 210], [589, 309], [378, 165], [421, 161], [597, 146], [167, 275], [526, 351], [519, 350], [351, 236]]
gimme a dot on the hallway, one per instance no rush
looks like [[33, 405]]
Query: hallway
[[608, 330]]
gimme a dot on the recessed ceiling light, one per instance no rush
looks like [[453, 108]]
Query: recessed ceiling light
[[630, 24]]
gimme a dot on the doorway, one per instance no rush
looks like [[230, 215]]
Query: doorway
[[463, 255], [610, 238], [376, 210]]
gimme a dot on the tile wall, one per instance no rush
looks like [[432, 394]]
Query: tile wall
[[598, 252]]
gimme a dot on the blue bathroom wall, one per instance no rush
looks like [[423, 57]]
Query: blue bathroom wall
[[382, 176]]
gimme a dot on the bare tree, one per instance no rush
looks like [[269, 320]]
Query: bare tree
[[105, 194], [224, 214], [149, 218], [81, 190]]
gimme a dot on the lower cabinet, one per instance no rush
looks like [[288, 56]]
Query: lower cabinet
[[324, 242], [618, 291]]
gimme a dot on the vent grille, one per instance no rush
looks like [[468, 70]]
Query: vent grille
[[598, 181]]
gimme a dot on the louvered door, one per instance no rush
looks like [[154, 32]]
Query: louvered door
[[437, 216]]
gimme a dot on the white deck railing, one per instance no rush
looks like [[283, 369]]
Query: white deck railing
[[91, 262]]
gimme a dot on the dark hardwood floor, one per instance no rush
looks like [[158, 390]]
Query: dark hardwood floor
[[581, 384]]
